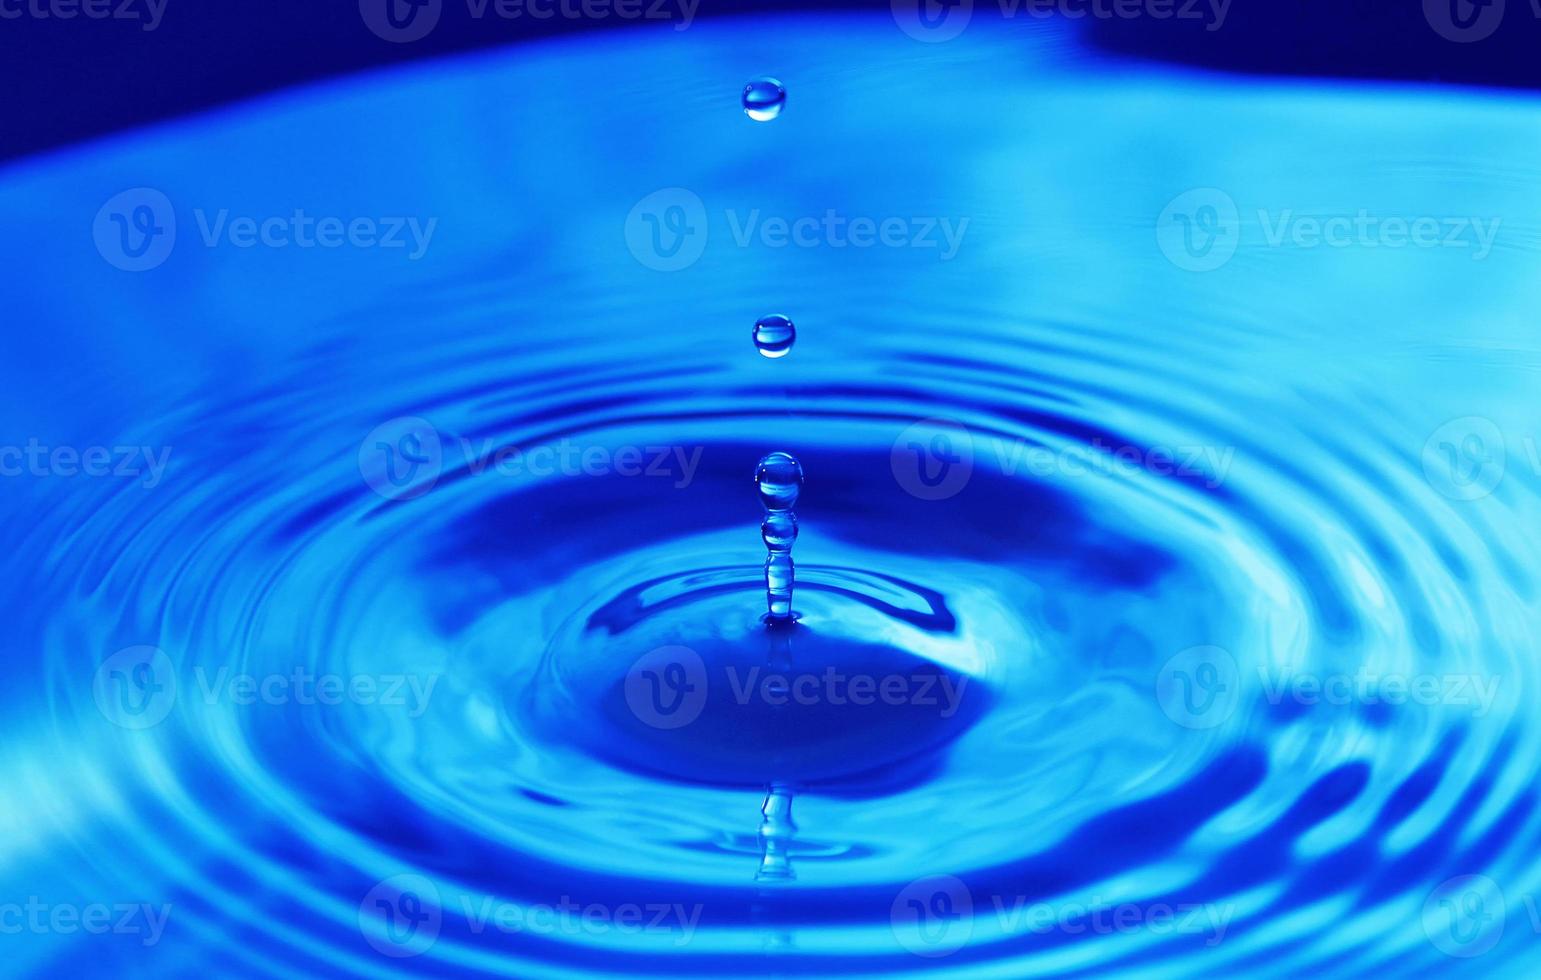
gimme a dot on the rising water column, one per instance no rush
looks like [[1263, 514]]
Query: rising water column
[[779, 479]]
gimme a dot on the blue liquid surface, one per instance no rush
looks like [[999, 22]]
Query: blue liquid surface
[[1099, 503]]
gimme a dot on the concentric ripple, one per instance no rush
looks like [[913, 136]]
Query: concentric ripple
[[1151, 621]]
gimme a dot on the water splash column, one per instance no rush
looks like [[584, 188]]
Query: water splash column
[[779, 479], [776, 831]]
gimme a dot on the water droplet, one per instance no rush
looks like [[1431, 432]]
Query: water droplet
[[774, 335], [779, 531], [779, 478], [764, 99]]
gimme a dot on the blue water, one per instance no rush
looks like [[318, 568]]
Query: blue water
[[1166, 591]]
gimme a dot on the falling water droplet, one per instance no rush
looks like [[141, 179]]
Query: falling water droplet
[[774, 335], [764, 99], [779, 479]]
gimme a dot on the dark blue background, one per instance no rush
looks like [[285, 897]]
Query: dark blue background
[[68, 80]]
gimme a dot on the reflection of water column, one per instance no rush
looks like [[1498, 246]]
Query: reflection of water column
[[776, 831], [779, 478]]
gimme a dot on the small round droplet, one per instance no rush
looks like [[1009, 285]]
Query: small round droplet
[[779, 478], [764, 98], [774, 335], [779, 531]]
